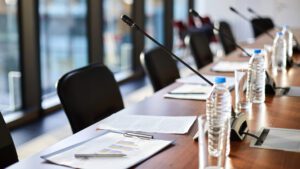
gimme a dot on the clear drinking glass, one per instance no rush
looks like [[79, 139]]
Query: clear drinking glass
[[241, 103], [205, 160], [268, 56]]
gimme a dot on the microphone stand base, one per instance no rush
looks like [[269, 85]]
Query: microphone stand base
[[239, 126]]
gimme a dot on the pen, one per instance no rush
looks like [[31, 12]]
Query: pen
[[98, 155], [139, 135], [187, 93]]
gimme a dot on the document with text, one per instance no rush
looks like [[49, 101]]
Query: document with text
[[134, 150], [149, 124]]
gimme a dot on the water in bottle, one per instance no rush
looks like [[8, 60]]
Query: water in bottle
[[256, 78], [218, 113], [279, 52], [288, 35]]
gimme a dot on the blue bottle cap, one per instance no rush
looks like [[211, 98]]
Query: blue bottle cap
[[279, 33], [257, 51], [220, 80]]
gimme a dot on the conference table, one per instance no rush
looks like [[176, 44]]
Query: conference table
[[277, 111]]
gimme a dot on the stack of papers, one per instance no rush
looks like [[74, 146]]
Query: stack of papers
[[194, 79], [134, 150], [190, 92], [280, 139], [226, 66], [150, 124]]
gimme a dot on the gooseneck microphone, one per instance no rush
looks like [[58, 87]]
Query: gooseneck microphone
[[239, 126], [133, 25], [247, 19], [196, 14], [253, 12], [270, 84]]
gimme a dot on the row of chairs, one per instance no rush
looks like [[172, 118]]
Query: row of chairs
[[91, 93]]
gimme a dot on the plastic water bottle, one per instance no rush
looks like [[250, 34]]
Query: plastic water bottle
[[218, 113], [279, 52], [288, 35], [256, 78]]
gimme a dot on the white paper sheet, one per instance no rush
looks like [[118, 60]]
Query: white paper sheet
[[150, 124], [248, 50], [194, 79], [188, 91], [136, 150], [281, 139], [294, 91], [226, 66]]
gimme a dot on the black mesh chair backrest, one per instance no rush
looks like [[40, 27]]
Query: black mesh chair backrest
[[226, 37], [161, 68], [8, 154], [88, 95], [200, 49], [261, 25]]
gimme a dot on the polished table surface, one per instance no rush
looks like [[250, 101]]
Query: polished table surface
[[281, 112]]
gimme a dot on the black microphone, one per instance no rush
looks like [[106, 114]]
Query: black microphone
[[270, 86], [196, 14], [253, 12], [239, 124], [133, 25], [247, 19]]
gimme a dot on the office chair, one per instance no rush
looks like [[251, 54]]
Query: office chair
[[226, 37], [160, 67], [88, 95], [200, 49], [261, 25], [8, 154]]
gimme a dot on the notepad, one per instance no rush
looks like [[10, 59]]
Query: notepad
[[190, 92], [280, 139], [194, 79], [149, 124], [229, 66], [135, 149]]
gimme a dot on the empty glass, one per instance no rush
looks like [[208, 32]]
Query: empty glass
[[205, 160], [241, 103]]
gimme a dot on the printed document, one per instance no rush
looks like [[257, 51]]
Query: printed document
[[135, 150], [190, 92], [149, 124], [281, 139], [229, 66], [194, 79]]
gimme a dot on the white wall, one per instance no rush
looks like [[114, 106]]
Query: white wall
[[283, 12]]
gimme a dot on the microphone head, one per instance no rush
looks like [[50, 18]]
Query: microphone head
[[195, 13], [250, 10], [233, 9], [127, 20]]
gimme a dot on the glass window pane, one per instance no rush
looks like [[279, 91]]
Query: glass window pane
[[63, 41], [117, 36], [10, 76], [180, 19], [154, 21]]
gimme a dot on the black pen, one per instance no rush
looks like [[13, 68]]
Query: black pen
[[186, 93], [98, 155]]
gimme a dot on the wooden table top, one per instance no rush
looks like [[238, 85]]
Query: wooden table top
[[281, 112]]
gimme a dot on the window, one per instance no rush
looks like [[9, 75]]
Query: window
[[117, 36], [180, 17], [10, 76], [63, 42], [154, 21]]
